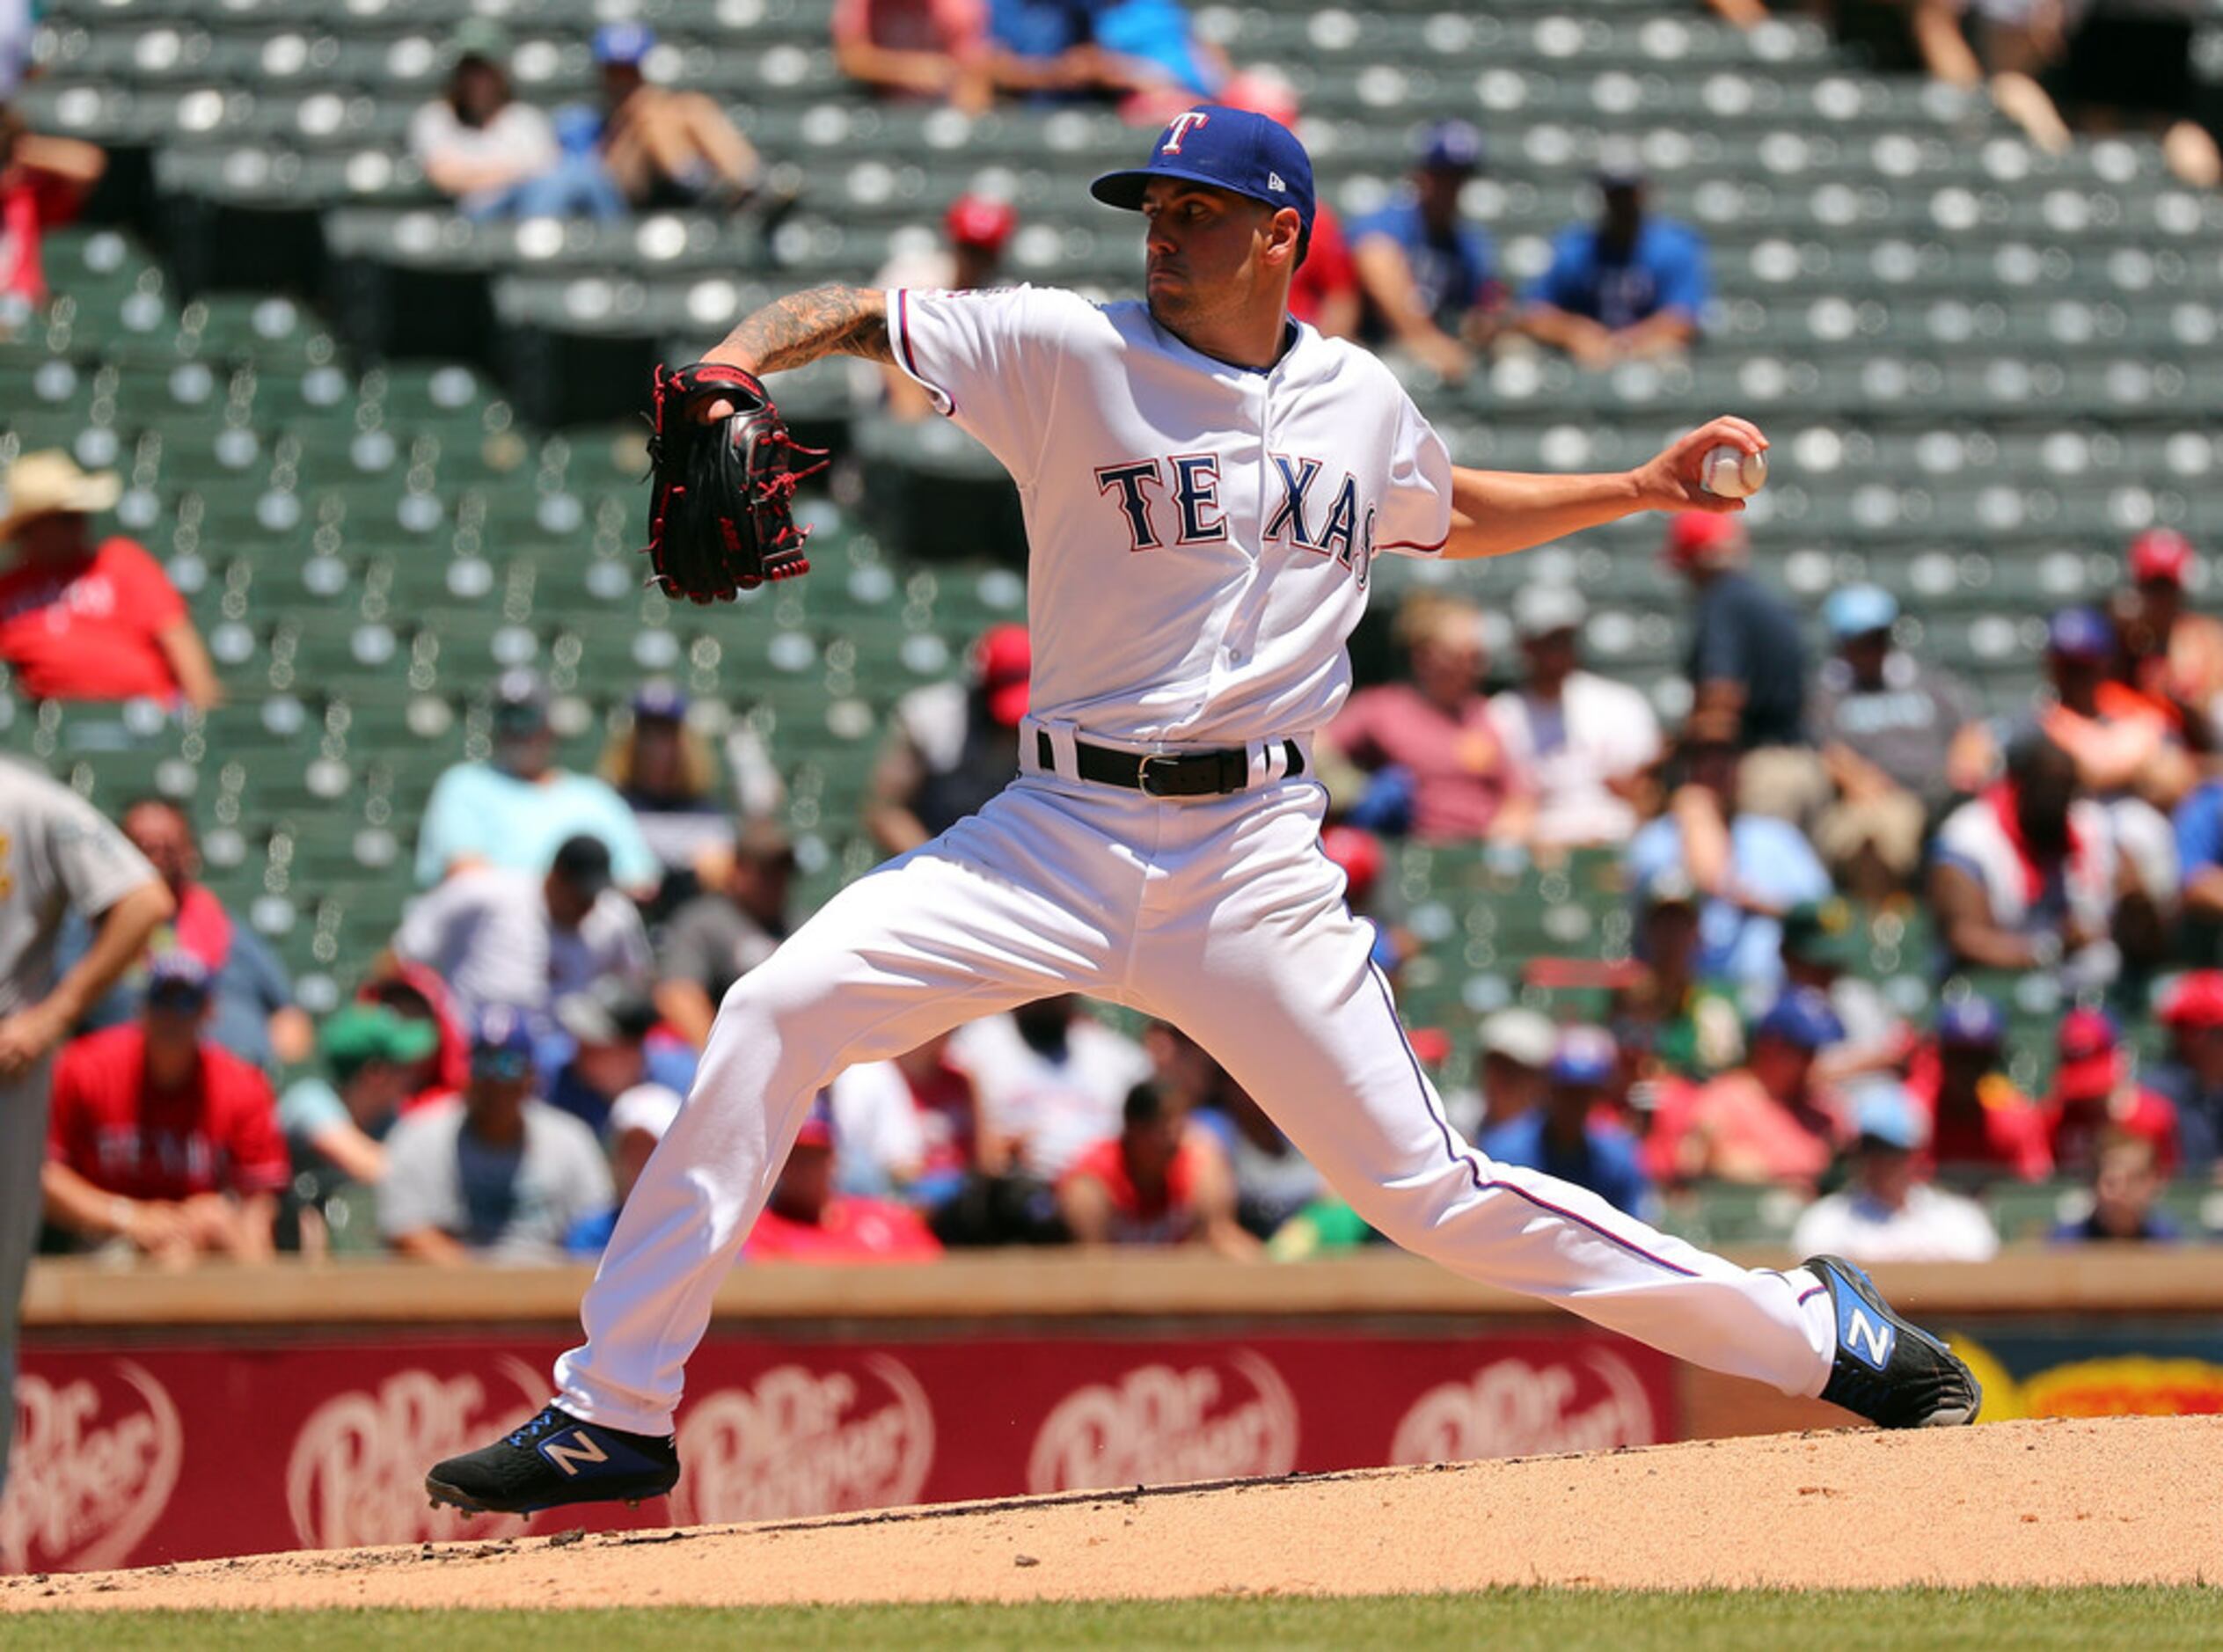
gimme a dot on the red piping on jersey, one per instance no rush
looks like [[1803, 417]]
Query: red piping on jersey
[[1413, 545], [911, 362]]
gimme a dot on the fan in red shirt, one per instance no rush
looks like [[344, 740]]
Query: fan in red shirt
[[161, 1138], [43, 180], [1158, 1181], [81, 620], [806, 1221], [1981, 1126], [2094, 1092], [1432, 739]]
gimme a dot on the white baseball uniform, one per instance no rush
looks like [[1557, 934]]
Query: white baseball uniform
[[1202, 539]]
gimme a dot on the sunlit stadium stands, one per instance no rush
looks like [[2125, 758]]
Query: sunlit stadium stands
[[1982, 367]]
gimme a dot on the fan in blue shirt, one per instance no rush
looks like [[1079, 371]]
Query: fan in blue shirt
[[1628, 285], [1567, 1136], [1429, 277]]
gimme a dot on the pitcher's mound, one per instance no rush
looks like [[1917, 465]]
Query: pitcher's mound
[[2118, 1500]]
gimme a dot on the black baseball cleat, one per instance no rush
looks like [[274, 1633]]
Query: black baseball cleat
[[1887, 1369], [552, 1460]]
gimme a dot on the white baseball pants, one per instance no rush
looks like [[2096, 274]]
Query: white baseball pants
[[1222, 915]]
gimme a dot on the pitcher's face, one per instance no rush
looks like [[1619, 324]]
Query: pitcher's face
[[1207, 252]]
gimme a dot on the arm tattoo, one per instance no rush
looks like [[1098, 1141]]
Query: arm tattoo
[[797, 330]]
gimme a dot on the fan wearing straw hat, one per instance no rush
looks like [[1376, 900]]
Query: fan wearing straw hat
[[83, 618]]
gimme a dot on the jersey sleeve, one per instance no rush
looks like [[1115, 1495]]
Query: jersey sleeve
[[989, 360], [259, 1160], [626, 952], [145, 590], [427, 925], [1416, 515], [96, 863], [309, 1108]]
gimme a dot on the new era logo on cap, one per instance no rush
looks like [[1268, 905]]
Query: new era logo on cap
[[1274, 182]]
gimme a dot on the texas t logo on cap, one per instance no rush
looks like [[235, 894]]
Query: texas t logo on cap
[[1229, 148], [1180, 129]]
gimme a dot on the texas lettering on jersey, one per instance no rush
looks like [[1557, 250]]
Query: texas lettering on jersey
[[1201, 534], [1191, 482]]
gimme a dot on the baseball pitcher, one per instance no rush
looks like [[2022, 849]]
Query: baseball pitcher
[[1207, 484]]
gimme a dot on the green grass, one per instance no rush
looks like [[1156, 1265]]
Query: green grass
[[1505, 1620]]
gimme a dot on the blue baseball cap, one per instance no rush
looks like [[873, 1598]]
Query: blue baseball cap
[[177, 980], [501, 1042], [1229, 148], [1801, 1017], [2080, 634], [624, 42], [659, 698], [1858, 610], [1620, 165], [1451, 146], [1884, 1113], [1586, 1055], [1972, 1024]]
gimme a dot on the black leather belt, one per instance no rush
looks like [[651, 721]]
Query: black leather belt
[[1163, 774]]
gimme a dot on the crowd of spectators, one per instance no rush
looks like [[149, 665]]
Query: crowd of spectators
[[548, 992], [2069, 845], [535, 1023], [639, 146], [2055, 68], [511, 1060]]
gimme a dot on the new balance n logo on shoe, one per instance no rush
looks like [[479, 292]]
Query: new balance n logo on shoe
[[1868, 1339], [568, 1454]]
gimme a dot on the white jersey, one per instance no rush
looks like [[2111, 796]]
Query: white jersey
[[1202, 533], [1202, 539]]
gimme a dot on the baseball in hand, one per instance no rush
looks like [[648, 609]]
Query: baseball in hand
[[1729, 472]]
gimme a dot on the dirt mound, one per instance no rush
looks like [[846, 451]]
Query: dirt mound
[[2119, 1500]]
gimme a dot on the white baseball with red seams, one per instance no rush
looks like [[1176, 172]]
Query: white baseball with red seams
[[1201, 537], [1728, 472]]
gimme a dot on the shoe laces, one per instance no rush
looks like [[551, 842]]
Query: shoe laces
[[546, 1423]]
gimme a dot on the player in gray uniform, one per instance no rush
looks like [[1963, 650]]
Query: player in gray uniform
[[56, 854]]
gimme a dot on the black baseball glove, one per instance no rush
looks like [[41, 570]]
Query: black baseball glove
[[721, 520]]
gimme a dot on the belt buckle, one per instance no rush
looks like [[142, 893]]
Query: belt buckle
[[1141, 772]]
